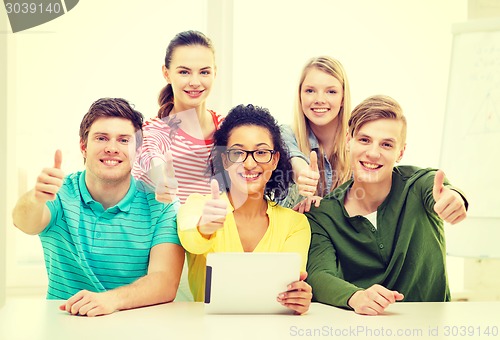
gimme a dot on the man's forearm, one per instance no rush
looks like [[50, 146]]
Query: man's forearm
[[28, 214], [154, 288]]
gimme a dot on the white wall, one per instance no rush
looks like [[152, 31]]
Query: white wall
[[116, 48], [109, 48], [397, 48], [3, 160]]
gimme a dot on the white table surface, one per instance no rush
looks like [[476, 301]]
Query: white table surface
[[37, 318]]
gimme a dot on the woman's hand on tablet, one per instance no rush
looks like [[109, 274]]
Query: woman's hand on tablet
[[298, 295]]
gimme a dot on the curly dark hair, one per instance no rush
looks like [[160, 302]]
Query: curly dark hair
[[277, 186]]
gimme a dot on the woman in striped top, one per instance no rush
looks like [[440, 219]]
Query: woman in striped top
[[178, 141]]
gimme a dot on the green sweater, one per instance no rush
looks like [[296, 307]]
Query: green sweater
[[405, 253]]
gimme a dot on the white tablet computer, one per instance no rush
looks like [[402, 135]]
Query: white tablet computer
[[249, 283]]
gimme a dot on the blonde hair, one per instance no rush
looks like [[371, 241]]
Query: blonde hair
[[339, 158]]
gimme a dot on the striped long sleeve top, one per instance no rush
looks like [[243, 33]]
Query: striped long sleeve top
[[190, 156]]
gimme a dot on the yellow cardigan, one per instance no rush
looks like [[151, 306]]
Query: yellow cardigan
[[288, 231]]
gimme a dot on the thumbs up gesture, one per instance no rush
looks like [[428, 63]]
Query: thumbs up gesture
[[49, 181], [214, 212], [449, 205], [307, 180], [167, 187]]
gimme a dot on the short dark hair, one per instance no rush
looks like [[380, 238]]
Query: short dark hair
[[111, 107], [241, 115]]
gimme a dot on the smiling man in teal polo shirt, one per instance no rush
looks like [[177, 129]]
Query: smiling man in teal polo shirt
[[108, 244]]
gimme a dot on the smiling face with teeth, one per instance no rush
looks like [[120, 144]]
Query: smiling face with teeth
[[109, 151], [375, 148], [250, 178], [191, 73], [321, 97]]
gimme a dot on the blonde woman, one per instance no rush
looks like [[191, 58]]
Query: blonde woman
[[317, 138]]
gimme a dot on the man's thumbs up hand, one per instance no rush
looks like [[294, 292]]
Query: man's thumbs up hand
[[449, 205], [50, 180]]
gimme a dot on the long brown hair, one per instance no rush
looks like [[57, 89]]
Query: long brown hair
[[186, 38]]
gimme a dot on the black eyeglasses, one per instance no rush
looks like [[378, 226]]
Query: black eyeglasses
[[260, 156]]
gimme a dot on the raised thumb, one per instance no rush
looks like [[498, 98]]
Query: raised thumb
[[214, 188]]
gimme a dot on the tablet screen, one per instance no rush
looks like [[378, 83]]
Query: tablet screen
[[249, 283]]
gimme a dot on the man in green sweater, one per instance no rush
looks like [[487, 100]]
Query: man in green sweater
[[379, 238]]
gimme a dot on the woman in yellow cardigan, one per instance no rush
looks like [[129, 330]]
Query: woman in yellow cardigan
[[250, 163]]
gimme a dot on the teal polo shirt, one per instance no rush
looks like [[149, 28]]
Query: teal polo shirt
[[88, 247]]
